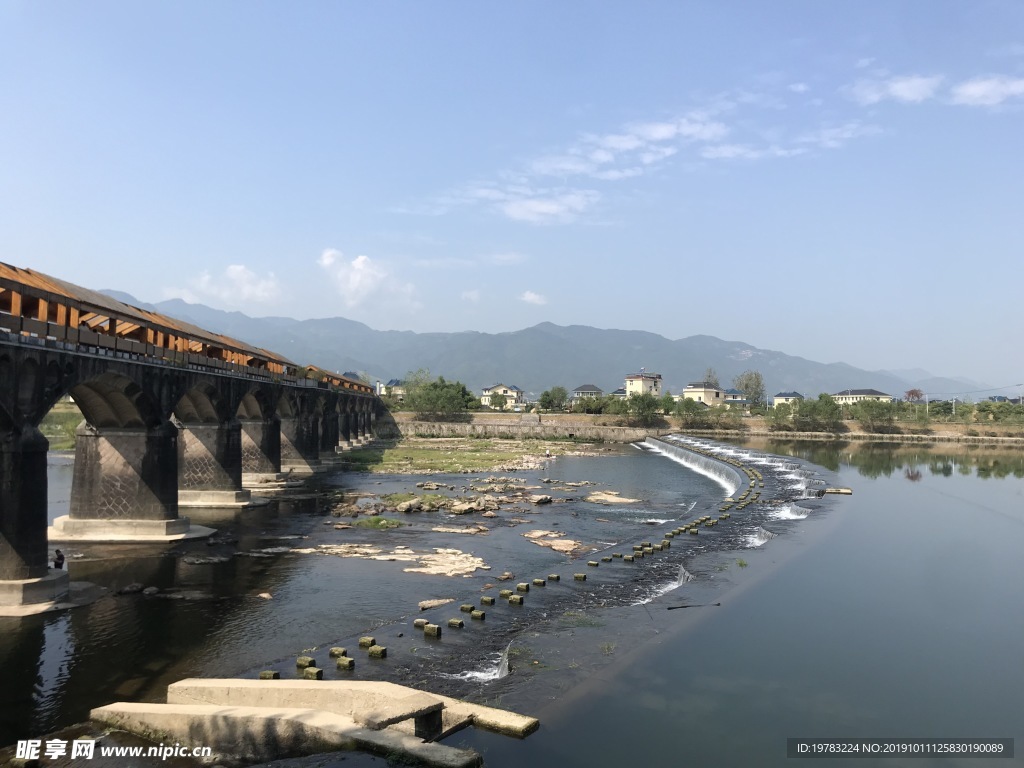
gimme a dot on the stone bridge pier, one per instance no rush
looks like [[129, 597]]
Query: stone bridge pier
[[25, 577], [210, 465], [300, 439], [261, 450]]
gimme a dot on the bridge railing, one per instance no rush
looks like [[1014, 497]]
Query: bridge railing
[[35, 333]]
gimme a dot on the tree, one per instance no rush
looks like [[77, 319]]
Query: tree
[[668, 403], [553, 399], [751, 384], [437, 399], [644, 408], [913, 395], [498, 401], [692, 413], [875, 416], [711, 377], [779, 417]]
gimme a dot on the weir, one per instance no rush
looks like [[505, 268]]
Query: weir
[[719, 471]]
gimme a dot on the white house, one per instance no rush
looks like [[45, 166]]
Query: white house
[[514, 396]]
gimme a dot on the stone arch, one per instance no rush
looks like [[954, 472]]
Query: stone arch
[[113, 400], [202, 404]]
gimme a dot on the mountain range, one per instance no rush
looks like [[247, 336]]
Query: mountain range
[[542, 356]]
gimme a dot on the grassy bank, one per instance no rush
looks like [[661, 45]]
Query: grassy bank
[[460, 454]]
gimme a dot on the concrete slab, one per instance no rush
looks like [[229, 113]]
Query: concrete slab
[[241, 498], [76, 594], [65, 528], [347, 697], [265, 733]]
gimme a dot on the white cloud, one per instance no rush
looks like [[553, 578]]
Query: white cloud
[[989, 91], [833, 137], [864, 63], [532, 298], [622, 173], [549, 208], [799, 87], [911, 89], [362, 279], [471, 296], [506, 258], [236, 285], [729, 152]]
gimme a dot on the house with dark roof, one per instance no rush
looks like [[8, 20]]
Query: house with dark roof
[[643, 383], [620, 393], [703, 392], [586, 391], [395, 388], [734, 398], [786, 398], [851, 396], [514, 396]]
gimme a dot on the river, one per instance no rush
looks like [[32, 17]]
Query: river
[[892, 612]]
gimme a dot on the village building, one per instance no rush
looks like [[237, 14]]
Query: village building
[[851, 396], [584, 391], [703, 392], [786, 398], [514, 396], [643, 384]]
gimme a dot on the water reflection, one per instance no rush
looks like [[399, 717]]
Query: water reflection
[[884, 459]]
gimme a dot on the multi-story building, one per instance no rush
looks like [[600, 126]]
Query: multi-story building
[[643, 383], [514, 396], [851, 396]]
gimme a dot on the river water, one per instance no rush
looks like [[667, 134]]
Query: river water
[[896, 611]]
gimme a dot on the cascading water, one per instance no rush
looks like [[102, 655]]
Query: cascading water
[[500, 670], [684, 576], [760, 536], [721, 473], [791, 512]]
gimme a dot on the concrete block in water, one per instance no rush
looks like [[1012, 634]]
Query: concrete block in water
[[639, 554], [487, 600], [505, 593], [432, 630], [312, 673], [338, 651], [648, 550], [478, 615], [522, 587], [305, 661], [666, 544], [346, 663], [593, 563], [366, 642], [657, 547], [628, 558], [645, 543], [694, 531], [515, 600], [554, 577], [467, 608], [456, 623], [378, 652], [580, 576], [617, 555], [670, 535], [420, 623], [269, 674], [539, 582], [638, 547]]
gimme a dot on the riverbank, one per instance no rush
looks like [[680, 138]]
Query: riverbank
[[555, 427]]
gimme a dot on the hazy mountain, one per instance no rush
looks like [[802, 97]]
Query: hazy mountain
[[539, 357]]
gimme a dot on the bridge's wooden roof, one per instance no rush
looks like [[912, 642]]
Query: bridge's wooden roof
[[106, 305]]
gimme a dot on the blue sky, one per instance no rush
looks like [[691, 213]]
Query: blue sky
[[842, 181]]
